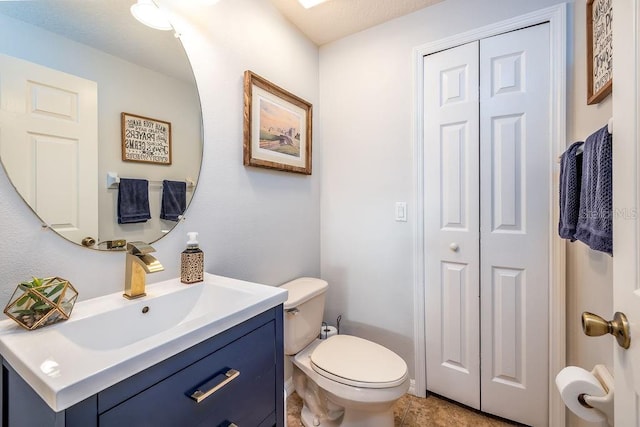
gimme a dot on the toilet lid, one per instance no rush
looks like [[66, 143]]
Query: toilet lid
[[355, 361]]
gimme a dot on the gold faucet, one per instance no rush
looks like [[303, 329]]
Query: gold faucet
[[139, 263]]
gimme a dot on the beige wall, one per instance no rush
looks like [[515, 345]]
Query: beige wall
[[589, 273]]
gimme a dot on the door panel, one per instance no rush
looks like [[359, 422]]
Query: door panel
[[514, 224], [507, 184], [452, 223], [53, 102], [56, 180], [454, 282], [508, 289], [453, 146]]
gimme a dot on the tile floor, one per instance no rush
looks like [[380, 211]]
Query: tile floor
[[411, 411]]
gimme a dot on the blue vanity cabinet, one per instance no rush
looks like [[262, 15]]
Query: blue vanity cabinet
[[247, 359]]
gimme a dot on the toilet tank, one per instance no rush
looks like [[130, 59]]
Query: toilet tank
[[303, 312]]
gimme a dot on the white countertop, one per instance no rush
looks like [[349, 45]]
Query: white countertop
[[108, 339]]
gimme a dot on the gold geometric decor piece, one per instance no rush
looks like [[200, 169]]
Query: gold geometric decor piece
[[41, 302]]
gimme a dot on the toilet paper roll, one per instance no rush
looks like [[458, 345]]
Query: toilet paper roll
[[572, 382], [328, 331]]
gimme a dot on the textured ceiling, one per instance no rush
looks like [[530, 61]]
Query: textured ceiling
[[338, 18], [107, 26]]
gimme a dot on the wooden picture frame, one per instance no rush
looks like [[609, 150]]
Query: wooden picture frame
[[277, 127], [145, 140], [599, 50]]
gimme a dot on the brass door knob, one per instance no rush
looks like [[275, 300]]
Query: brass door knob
[[594, 326], [88, 241]]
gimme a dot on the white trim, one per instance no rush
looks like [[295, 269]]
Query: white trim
[[626, 196], [412, 387], [289, 388], [557, 18]]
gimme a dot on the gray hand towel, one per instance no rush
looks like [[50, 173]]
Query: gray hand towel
[[595, 222], [174, 199], [133, 201], [570, 177]]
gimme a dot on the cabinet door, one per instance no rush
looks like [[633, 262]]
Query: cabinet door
[[246, 400]]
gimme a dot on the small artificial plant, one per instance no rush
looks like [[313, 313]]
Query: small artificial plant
[[40, 302]]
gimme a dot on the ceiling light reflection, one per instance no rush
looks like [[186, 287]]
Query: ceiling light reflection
[[148, 13], [307, 4]]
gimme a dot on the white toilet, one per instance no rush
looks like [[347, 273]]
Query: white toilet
[[343, 380]]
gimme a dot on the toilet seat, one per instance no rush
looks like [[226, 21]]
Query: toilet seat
[[358, 362]]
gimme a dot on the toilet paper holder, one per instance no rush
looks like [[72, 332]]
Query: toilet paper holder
[[589, 395], [601, 403]]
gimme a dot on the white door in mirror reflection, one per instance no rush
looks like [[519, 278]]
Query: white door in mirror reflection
[[49, 144]]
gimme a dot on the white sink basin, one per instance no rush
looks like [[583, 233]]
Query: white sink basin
[[110, 338], [166, 306]]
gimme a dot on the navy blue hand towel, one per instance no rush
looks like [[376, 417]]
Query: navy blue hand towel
[[133, 201], [570, 177], [595, 222], [174, 199]]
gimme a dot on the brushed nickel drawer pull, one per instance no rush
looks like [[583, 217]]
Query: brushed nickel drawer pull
[[230, 375]]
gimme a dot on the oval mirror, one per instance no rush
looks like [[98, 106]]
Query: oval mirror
[[92, 103]]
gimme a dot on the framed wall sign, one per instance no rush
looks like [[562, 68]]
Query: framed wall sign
[[145, 140], [277, 127], [599, 50]]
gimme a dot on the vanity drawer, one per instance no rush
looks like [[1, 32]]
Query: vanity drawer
[[248, 399]]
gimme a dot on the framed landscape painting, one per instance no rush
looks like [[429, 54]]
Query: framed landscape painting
[[277, 127]]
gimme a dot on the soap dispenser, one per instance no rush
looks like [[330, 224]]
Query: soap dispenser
[[192, 261]]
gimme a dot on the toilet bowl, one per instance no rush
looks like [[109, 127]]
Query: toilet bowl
[[343, 380]]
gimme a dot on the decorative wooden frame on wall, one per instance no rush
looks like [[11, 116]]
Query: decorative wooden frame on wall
[[145, 140], [599, 50], [277, 127]]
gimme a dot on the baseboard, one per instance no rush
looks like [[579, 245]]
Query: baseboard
[[288, 387], [412, 387]]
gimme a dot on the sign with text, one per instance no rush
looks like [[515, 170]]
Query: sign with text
[[145, 140], [599, 50]]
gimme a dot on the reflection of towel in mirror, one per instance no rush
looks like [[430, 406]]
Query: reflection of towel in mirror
[[570, 180], [174, 199], [133, 201], [595, 222]]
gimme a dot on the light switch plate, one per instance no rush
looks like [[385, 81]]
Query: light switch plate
[[401, 211]]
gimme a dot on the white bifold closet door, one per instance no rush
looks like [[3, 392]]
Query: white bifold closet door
[[487, 224]]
